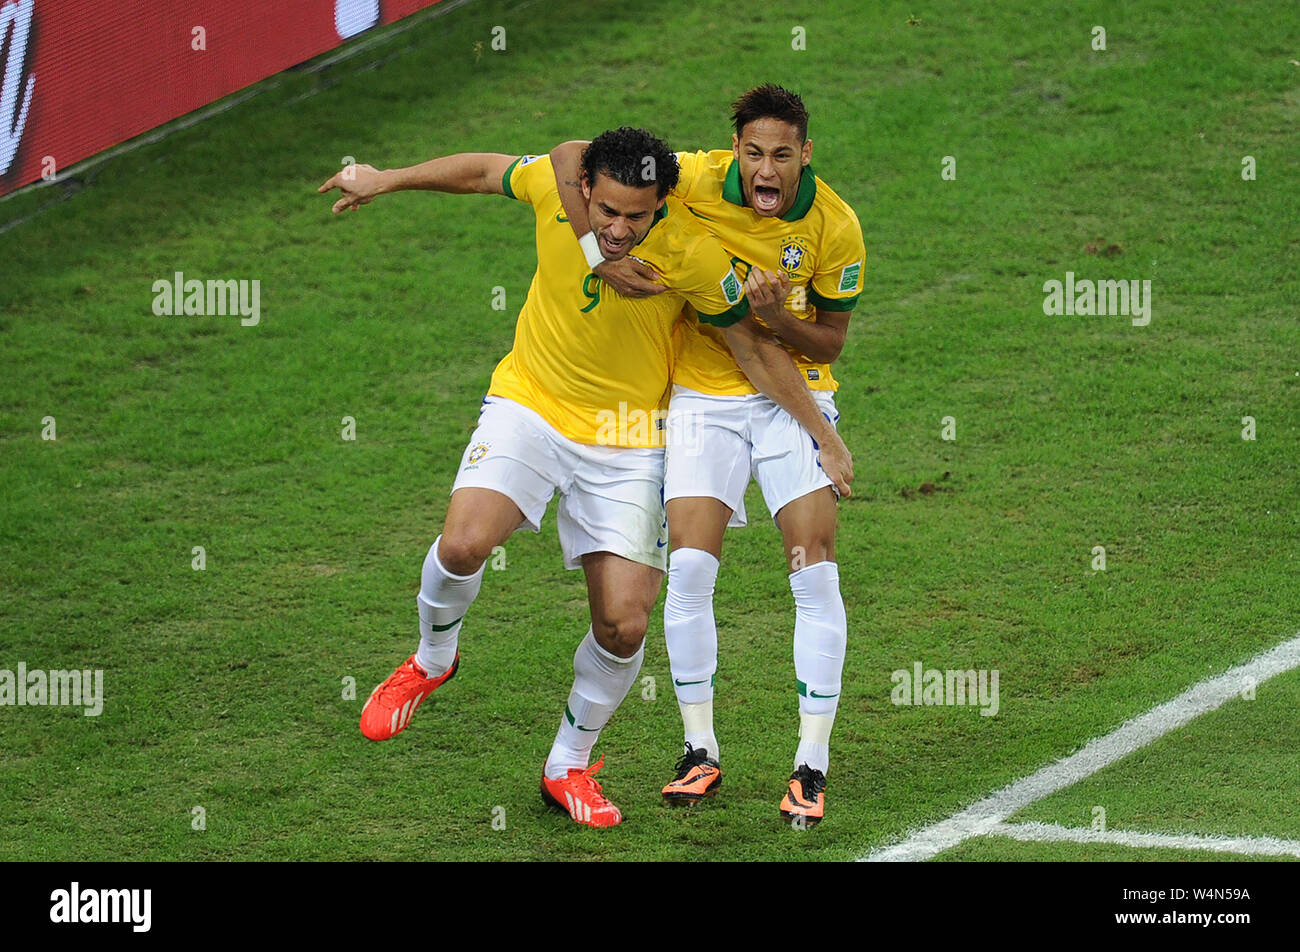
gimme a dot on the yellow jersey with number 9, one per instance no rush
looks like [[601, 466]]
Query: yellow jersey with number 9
[[817, 243], [596, 365]]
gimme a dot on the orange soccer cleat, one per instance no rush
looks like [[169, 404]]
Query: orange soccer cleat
[[579, 796], [697, 777], [805, 799], [391, 705]]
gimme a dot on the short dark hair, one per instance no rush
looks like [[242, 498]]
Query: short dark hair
[[770, 101], [631, 157]]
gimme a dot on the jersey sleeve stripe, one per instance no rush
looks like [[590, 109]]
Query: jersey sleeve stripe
[[831, 304], [505, 179], [728, 317]]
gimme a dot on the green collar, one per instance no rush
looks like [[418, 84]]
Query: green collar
[[803, 200], [660, 215]]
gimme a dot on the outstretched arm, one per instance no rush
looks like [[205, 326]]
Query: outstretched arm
[[627, 276], [461, 174], [769, 368]]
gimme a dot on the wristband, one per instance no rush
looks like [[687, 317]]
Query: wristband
[[591, 248]]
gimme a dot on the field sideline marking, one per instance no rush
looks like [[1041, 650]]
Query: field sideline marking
[[982, 817], [1053, 833]]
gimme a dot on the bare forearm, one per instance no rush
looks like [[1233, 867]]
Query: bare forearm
[[461, 174], [566, 158], [769, 368], [818, 342]]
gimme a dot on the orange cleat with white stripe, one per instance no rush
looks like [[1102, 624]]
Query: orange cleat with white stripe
[[391, 705], [805, 798], [579, 796]]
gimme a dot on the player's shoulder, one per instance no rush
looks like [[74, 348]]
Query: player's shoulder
[[703, 166], [719, 159], [529, 174], [834, 213], [525, 160], [534, 166], [681, 231], [678, 245]]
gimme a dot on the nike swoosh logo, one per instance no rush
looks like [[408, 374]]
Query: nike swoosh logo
[[815, 694], [684, 683], [559, 216], [660, 544], [569, 714]]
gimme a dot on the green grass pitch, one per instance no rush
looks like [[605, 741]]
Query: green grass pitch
[[224, 687]]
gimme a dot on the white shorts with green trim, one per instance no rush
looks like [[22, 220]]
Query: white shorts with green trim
[[611, 497], [716, 444]]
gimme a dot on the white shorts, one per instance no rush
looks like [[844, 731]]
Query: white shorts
[[717, 443], [611, 497]]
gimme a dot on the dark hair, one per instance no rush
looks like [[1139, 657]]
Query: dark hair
[[631, 157], [770, 101]]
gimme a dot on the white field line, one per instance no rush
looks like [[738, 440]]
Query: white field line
[[980, 818], [1052, 833]]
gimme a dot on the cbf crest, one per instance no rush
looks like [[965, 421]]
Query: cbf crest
[[793, 251]]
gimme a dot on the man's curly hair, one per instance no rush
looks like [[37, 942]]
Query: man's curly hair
[[631, 157]]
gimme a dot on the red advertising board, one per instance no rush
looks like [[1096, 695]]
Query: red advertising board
[[78, 76]]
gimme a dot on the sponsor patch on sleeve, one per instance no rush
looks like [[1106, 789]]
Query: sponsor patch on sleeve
[[731, 287], [849, 276]]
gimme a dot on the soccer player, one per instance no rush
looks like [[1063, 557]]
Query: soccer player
[[575, 408], [801, 247]]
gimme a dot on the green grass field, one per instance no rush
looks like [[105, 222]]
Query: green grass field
[[223, 687]]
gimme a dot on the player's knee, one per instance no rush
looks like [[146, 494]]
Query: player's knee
[[621, 633], [462, 553], [810, 551]]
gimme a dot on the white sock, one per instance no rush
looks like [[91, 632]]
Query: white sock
[[443, 600], [600, 682], [698, 721], [692, 639], [814, 741], [820, 640]]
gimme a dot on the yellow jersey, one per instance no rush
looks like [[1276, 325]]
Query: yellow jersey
[[817, 243], [595, 365]]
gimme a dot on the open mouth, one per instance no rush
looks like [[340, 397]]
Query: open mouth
[[766, 198], [613, 249]]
